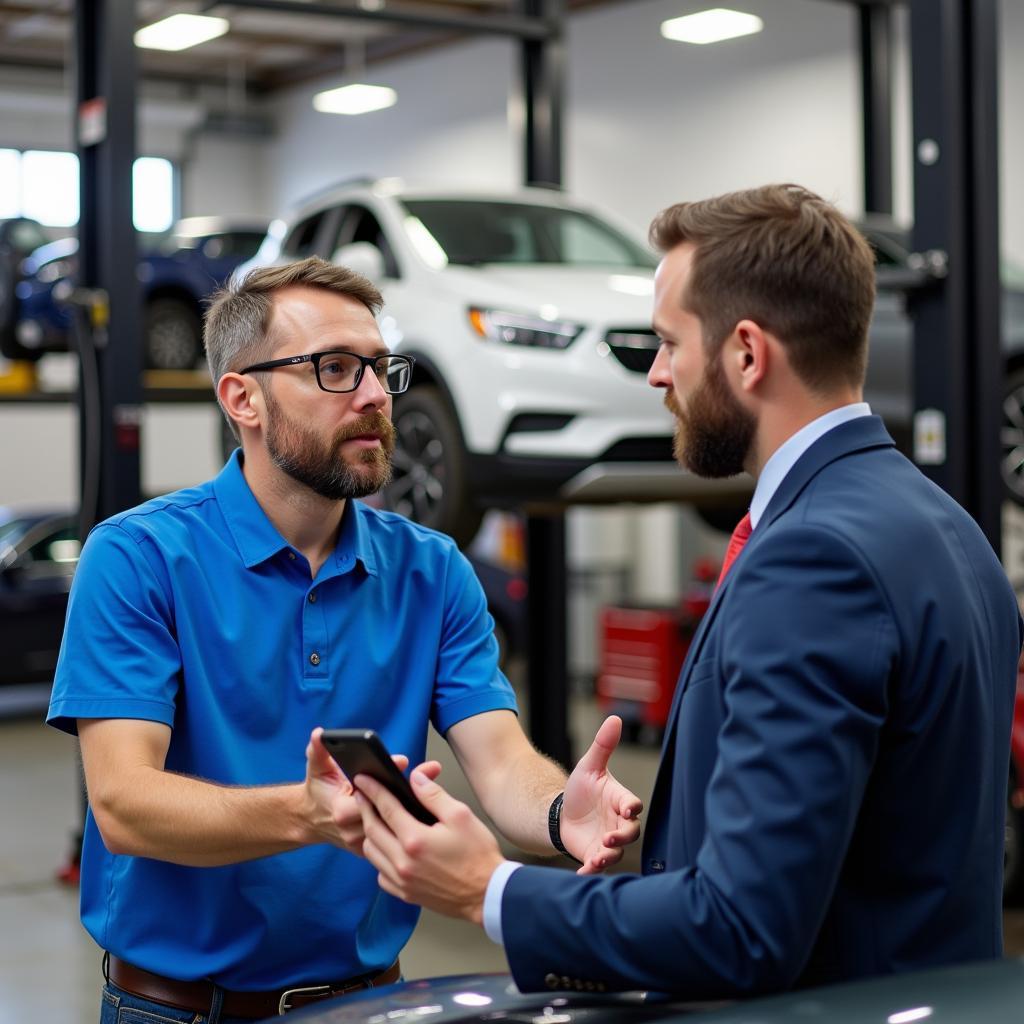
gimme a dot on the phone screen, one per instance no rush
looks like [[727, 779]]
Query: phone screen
[[362, 752]]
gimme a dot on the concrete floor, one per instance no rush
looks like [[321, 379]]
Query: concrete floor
[[50, 968]]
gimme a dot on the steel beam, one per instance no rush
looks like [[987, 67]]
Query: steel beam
[[547, 648], [543, 86], [957, 330], [542, 64], [876, 48], [110, 386], [488, 24]]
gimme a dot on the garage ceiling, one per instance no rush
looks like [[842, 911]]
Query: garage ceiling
[[268, 48]]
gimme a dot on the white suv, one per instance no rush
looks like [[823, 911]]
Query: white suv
[[528, 316]]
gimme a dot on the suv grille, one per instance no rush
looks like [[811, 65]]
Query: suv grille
[[635, 348]]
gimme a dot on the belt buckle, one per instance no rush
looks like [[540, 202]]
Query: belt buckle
[[284, 1003]]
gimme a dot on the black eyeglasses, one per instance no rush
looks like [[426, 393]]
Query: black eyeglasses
[[339, 371]]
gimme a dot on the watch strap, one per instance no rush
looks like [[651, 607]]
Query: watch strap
[[555, 827]]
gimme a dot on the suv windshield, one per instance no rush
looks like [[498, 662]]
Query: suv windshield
[[474, 232]]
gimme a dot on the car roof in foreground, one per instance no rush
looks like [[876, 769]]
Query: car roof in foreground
[[990, 991]]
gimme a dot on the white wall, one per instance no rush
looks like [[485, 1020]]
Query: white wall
[[449, 126], [652, 122], [225, 176], [1011, 128]]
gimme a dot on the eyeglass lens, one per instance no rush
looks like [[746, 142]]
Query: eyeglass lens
[[341, 371]]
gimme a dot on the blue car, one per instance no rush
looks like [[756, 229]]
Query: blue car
[[175, 277]]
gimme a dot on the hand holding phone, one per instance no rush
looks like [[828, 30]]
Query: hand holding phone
[[362, 752]]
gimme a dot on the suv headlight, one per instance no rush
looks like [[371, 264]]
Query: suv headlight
[[516, 329]]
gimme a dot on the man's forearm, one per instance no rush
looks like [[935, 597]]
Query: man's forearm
[[184, 820], [519, 799]]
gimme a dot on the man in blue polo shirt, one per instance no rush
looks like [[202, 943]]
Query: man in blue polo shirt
[[211, 631]]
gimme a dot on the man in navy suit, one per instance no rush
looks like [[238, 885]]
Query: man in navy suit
[[831, 793]]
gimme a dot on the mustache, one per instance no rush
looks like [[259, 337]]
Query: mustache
[[672, 404], [372, 423]]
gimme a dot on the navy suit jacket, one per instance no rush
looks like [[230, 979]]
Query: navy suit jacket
[[832, 787]]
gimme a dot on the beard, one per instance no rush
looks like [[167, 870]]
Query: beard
[[714, 434], [321, 465]]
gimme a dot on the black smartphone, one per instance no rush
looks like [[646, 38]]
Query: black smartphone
[[362, 752]]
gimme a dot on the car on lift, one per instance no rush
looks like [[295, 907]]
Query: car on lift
[[528, 315], [529, 318], [984, 992], [176, 274]]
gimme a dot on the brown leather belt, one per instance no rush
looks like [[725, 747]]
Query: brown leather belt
[[198, 995]]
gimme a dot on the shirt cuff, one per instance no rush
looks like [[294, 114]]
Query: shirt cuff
[[492, 899]]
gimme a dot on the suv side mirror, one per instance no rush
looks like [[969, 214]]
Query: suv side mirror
[[362, 257]]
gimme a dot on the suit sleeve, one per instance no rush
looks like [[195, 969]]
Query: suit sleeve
[[805, 646]]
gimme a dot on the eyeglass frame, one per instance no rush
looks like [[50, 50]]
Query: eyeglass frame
[[315, 357]]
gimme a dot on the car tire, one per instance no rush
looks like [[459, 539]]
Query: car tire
[[429, 483], [10, 275], [1011, 437], [1013, 850], [174, 336]]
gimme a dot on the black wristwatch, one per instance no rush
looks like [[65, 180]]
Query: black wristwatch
[[555, 827]]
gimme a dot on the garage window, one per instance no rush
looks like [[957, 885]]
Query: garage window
[[43, 185]]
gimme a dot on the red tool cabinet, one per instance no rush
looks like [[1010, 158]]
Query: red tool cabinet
[[641, 650]]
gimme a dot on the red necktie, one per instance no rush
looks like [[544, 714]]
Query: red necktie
[[739, 537]]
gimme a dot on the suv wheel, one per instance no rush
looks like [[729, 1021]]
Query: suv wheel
[[173, 335], [10, 347], [1012, 436], [429, 483]]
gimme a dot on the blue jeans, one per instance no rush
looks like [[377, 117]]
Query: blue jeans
[[120, 1007]]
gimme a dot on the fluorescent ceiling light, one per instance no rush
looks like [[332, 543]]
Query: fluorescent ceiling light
[[180, 31], [355, 99], [711, 26]]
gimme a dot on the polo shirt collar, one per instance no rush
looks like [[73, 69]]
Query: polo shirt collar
[[354, 538], [256, 537]]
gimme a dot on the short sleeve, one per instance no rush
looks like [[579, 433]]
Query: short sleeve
[[468, 679], [119, 657]]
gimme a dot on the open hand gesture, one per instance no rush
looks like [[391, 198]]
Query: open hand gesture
[[599, 815]]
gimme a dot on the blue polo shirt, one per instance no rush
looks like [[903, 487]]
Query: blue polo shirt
[[193, 611]]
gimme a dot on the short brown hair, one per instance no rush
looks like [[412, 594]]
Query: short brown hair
[[236, 328], [788, 260]]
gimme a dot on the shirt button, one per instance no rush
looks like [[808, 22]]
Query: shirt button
[[312, 597], [291, 555], [657, 865], [314, 658]]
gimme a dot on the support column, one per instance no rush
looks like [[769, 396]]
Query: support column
[[876, 61], [110, 386], [957, 331], [543, 70]]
